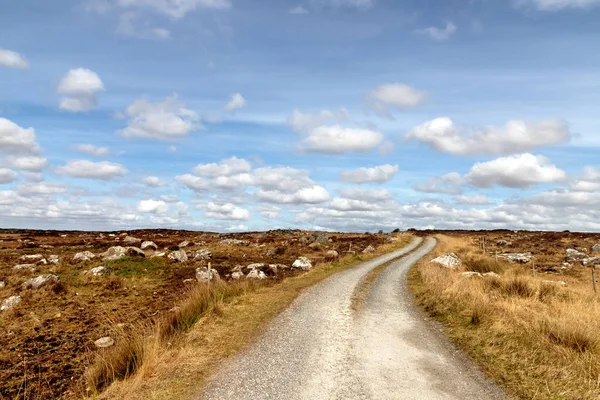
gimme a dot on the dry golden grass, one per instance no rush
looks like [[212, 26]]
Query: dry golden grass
[[539, 340], [177, 365]]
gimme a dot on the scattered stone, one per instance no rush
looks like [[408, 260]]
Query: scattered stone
[[391, 239], [135, 252], [46, 246], [503, 243], [104, 342], [160, 254], [235, 242], [178, 256], [183, 244], [53, 259], [491, 275], [574, 255], [2, 284], [202, 254], [315, 246], [369, 249], [591, 261], [114, 253], [332, 255], [581, 249], [204, 274], [149, 245], [98, 271], [39, 281], [449, 260], [596, 248], [83, 256], [320, 237], [561, 283], [23, 267], [302, 263], [10, 302], [256, 274], [272, 268], [521, 258], [471, 274], [237, 275], [131, 240], [33, 258]]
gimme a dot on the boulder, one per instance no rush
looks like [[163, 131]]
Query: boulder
[[135, 252], [320, 237], [39, 281], [203, 274], [596, 248], [114, 253], [26, 267], [202, 254], [83, 256], [369, 249], [503, 243], [256, 274], [98, 271], [32, 258], [449, 260], [104, 342], [148, 245], [521, 258], [302, 263], [591, 261], [131, 240], [237, 275], [574, 255], [235, 242], [255, 266], [183, 244], [53, 259], [332, 255], [9, 303], [178, 256], [159, 254]]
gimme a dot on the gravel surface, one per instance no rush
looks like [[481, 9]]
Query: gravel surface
[[322, 349]]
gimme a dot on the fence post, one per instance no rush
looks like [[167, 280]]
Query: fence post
[[594, 278]]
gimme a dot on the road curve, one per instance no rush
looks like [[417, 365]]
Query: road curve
[[320, 348]]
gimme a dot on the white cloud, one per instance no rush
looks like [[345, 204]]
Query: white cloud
[[153, 181], [79, 89], [309, 195], [11, 59], [585, 186], [103, 170], [237, 101], [378, 174], [298, 10], [449, 183], [92, 150], [304, 123], [129, 26], [359, 4], [439, 34], [269, 211], [15, 140], [336, 139], [192, 182], [164, 120], [591, 174], [28, 163], [225, 211], [40, 188], [371, 195], [478, 199], [175, 8], [395, 95], [7, 176], [555, 5], [152, 206], [515, 137], [228, 167], [519, 171]]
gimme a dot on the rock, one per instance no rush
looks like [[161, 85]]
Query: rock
[[521, 258], [235, 242], [148, 245], [302, 263], [104, 342], [332, 255], [39, 281], [28, 267], [591, 261], [237, 268], [449, 260], [471, 274], [33, 258], [561, 283], [596, 248], [503, 243], [492, 275], [574, 255], [135, 252], [114, 253], [256, 274], [202, 254], [53, 259], [83, 256], [369, 249], [183, 244], [2, 284], [160, 254], [315, 246], [255, 266], [178, 256], [10, 302], [131, 240], [98, 271], [203, 274], [320, 237], [281, 266], [272, 269], [237, 275]]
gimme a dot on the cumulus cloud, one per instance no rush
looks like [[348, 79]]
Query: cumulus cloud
[[103, 170], [175, 9], [237, 101], [79, 89], [474, 200], [40, 189], [336, 139], [7, 176], [28, 163], [439, 34], [555, 5], [371, 195], [225, 211], [515, 137], [395, 95], [92, 150], [309, 195], [228, 167], [15, 140], [378, 174], [152, 206], [519, 171], [163, 120], [192, 182], [11, 59], [153, 181], [449, 183]]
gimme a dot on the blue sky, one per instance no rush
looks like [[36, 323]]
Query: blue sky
[[331, 114]]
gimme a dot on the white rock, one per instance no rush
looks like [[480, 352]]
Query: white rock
[[149, 245], [203, 274], [237, 275], [160, 254], [83, 256], [104, 342], [471, 274], [332, 255], [202, 254], [256, 274], [32, 257], [449, 260], [574, 255], [98, 271], [10, 302], [54, 259], [255, 266], [135, 252], [561, 283], [492, 275], [369, 249], [302, 263], [236, 242], [131, 240], [28, 267], [178, 256], [591, 261], [596, 248], [183, 244], [2, 284], [114, 253], [521, 258], [39, 281]]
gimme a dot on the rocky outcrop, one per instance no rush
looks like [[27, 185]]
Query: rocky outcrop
[[98, 271], [39, 281], [320, 237], [131, 240], [178, 256], [332, 255], [149, 245], [449, 260], [521, 258], [204, 274], [2, 284], [256, 274], [591, 261], [237, 275], [33, 258], [25, 267], [53, 259], [84, 256], [302, 263], [183, 244], [235, 242], [135, 252], [114, 253], [201, 255], [503, 243], [574, 255], [369, 249], [596, 248], [9, 303]]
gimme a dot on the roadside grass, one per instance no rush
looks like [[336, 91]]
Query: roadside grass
[[174, 357], [540, 340]]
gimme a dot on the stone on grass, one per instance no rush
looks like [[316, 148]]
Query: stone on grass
[[256, 274], [149, 245], [135, 252], [449, 260], [596, 248], [255, 266], [183, 244], [39, 281], [178, 256], [114, 253], [503, 243], [471, 274], [591, 261], [26, 267], [237, 275], [492, 275], [10, 302], [575, 255], [104, 342], [521, 258], [32, 258], [204, 274], [2, 284], [131, 240], [83, 256], [98, 271], [302, 263], [332, 255], [560, 283], [369, 249], [236, 242], [160, 254], [53, 259], [320, 237], [202, 254]]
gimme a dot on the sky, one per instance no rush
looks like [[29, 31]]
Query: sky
[[342, 115]]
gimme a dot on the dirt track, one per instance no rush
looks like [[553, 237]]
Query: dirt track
[[320, 348]]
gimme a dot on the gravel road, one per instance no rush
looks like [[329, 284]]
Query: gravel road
[[320, 348]]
